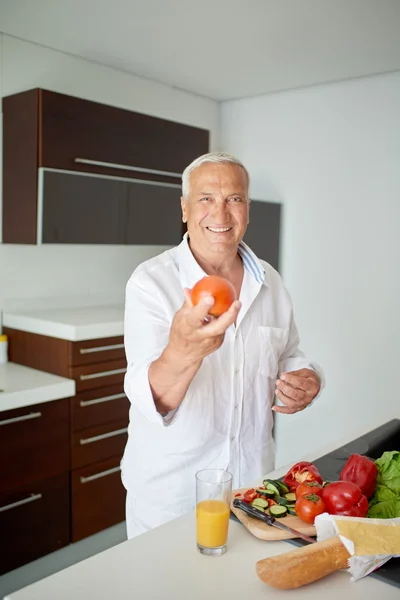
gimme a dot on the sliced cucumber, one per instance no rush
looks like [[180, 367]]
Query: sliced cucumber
[[283, 487], [278, 511], [291, 496], [265, 493], [282, 501], [261, 503], [291, 510], [271, 487]]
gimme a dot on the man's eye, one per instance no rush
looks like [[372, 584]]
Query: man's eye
[[206, 199], [235, 199]]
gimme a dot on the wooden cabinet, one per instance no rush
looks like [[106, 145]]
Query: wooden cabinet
[[35, 482], [97, 422], [42, 450], [263, 231], [92, 173]]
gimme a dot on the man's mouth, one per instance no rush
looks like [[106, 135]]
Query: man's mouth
[[219, 229]]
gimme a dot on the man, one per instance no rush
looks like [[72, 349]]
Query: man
[[201, 390]]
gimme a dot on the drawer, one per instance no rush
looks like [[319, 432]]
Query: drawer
[[98, 498], [99, 406], [34, 521], [35, 440], [93, 351], [88, 377], [98, 443]]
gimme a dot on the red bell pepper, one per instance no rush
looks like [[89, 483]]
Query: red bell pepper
[[362, 471], [344, 498], [301, 472]]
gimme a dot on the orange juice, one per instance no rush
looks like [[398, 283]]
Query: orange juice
[[212, 523]]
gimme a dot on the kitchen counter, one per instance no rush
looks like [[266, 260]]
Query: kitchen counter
[[73, 324], [21, 386], [164, 563]]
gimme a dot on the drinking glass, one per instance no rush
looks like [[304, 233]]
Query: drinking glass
[[213, 497]]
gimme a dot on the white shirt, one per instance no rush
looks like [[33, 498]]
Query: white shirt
[[225, 420]]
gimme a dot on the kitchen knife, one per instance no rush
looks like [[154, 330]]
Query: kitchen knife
[[254, 512]]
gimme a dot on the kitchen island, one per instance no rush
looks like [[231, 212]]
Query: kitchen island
[[164, 563]]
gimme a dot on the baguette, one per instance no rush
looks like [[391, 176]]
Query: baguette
[[303, 565]]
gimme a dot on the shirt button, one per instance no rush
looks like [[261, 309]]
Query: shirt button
[[236, 371], [236, 406], [232, 439]]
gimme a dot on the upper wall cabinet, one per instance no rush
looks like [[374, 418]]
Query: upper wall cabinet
[[76, 171]]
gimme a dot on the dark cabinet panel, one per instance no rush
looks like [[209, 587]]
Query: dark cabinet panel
[[35, 440], [263, 231], [153, 215], [45, 130], [81, 209], [76, 128], [34, 521], [98, 498], [96, 407], [98, 443]]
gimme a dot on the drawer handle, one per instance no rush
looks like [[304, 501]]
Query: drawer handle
[[103, 436], [99, 163], [101, 474], [102, 374], [84, 403], [31, 498], [101, 348], [23, 418]]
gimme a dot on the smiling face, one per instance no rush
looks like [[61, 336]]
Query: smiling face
[[217, 209]]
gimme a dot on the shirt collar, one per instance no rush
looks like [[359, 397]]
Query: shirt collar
[[191, 272]]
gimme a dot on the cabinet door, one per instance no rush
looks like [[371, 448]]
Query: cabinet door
[[263, 231], [34, 521], [82, 209], [154, 215], [75, 128], [98, 498], [35, 440]]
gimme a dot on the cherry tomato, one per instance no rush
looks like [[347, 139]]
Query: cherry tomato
[[308, 487], [309, 506], [219, 288]]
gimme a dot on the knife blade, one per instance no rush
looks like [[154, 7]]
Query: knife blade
[[254, 512]]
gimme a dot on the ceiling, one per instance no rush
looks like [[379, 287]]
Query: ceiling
[[222, 49]]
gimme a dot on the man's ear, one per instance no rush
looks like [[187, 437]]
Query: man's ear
[[183, 207]]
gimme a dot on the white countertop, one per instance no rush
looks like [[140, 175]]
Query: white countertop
[[74, 324], [164, 563], [23, 386]]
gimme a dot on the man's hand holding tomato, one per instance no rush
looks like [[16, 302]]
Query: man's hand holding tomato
[[296, 390], [194, 335]]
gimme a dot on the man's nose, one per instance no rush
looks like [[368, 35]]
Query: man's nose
[[220, 212]]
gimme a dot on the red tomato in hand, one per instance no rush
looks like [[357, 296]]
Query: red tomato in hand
[[308, 507], [219, 288], [308, 487]]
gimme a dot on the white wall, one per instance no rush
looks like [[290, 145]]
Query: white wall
[[62, 274], [331, 155]]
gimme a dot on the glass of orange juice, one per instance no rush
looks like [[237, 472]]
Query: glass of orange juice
[[213, 497]]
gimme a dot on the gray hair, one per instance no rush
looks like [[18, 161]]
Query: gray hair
[[211, 157]]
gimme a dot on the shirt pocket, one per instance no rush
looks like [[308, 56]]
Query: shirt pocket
[[273, 342]]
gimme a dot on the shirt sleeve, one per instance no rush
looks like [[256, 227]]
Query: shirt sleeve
[[293, 359], [146, 334]]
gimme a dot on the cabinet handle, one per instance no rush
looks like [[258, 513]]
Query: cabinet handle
[[101, 348], [102, 374], [99, 163], [101, 474], [103, 436], [31, 498], [84, 403], [22, 418]]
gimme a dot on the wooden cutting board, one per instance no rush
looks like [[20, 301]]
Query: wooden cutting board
[[266, 532]]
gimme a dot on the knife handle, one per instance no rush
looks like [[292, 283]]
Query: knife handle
[[253, 512]]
